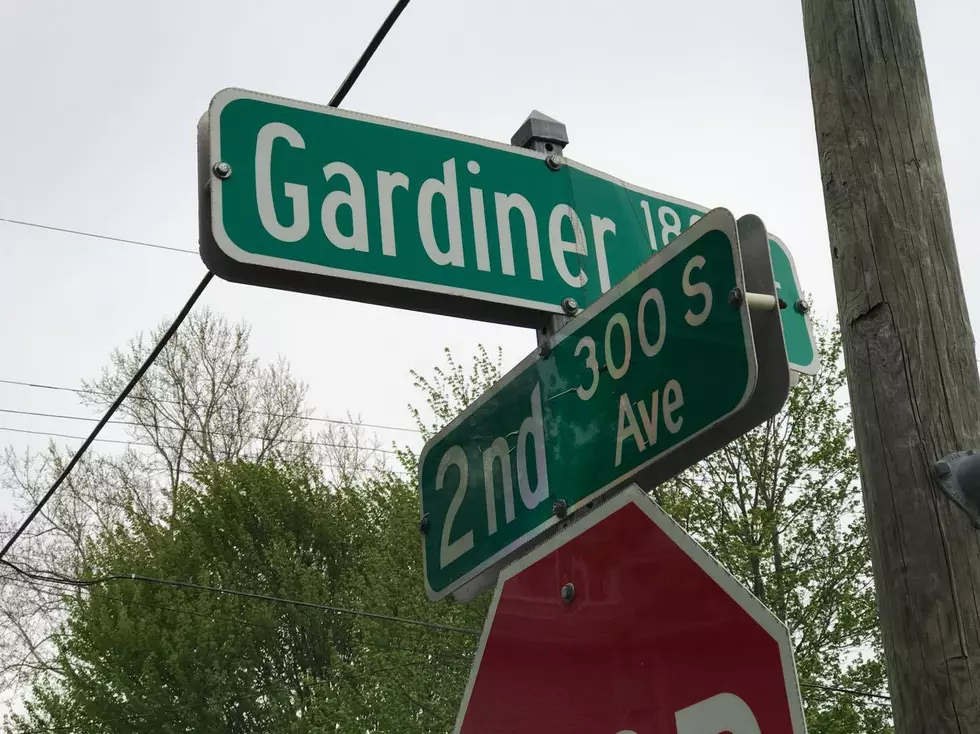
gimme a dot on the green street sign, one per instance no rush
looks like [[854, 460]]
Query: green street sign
[[801, 347], [308, 198], [636, 388]]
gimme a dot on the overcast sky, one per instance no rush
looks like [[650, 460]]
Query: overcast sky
[[706, 100]]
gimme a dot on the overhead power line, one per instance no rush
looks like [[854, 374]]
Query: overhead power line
[[93, 235], [335, 101], [51, 577], [58, 590], [848, 691], [146, 444], [142, 398], [52, 434], [137, 424], [108, 414]]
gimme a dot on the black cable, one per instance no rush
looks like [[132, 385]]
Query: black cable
[[362, 62], [850, 691], [108, 414], [81, 233], [334, 102], [56, 578], [137, 424], [52, 578], [297, 416], [57, 589], [123, 442], [53, 434]]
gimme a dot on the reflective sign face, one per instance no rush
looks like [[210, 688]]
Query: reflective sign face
[[647, 369], [654, 638], [314, 199]]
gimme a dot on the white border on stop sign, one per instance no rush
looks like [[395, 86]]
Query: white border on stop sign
[[705, 561]]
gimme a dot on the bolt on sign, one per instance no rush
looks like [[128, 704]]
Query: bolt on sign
[[638, 386], [308, 198]]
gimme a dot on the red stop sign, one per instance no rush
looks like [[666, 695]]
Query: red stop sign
[[657, 639]]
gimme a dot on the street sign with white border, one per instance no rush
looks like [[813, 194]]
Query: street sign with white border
[[314, 199], [483, 498]]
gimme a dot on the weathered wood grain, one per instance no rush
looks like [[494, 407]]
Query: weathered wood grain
[[908, 345]]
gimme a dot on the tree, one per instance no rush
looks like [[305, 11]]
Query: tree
[[205, 399], [781, 509], [133, 652], [429, 671], [447, 394]]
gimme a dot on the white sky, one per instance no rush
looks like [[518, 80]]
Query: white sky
[[706, 100]]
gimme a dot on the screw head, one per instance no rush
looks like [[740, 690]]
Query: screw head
[[569, 306], [801, 306], [735, 297], [553, 162], [560, 508], [568, 593], [222, 169], [942, 469], [424, 524]]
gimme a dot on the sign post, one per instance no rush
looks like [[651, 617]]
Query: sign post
[[663, 369], [319, 200], [623, 624]]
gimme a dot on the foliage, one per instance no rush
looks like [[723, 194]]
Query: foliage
[[137, 656], [434, 686], [205, 399], [447, 394], [451, 390], [781, 509]]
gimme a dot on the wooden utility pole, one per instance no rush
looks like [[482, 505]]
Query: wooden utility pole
[[908, 348]]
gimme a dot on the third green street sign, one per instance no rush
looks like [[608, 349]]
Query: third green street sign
[[635, 388], [309, 198]]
